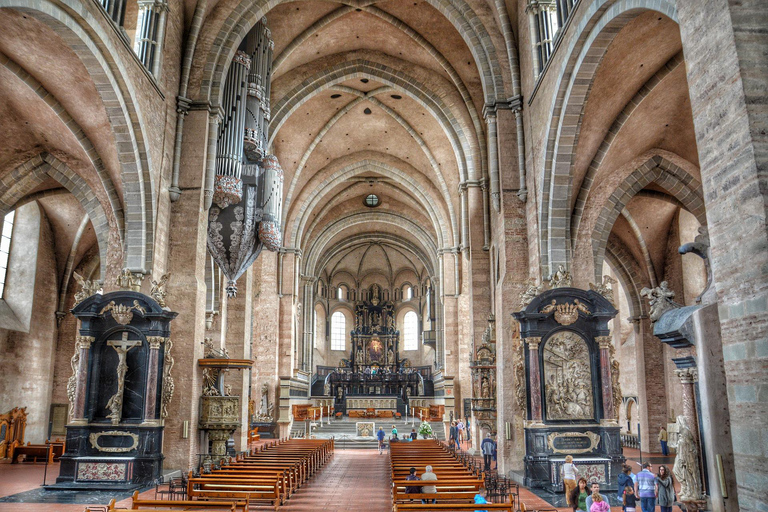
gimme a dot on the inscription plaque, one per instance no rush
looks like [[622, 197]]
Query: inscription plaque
[[573, 442]]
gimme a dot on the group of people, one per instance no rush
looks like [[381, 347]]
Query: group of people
[[380, 435], [647, 488], [458, 433]]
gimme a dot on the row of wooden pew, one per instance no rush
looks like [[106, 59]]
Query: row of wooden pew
[[456, 483], [267, 476]]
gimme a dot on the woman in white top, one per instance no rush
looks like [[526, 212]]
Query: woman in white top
[[568, 472]]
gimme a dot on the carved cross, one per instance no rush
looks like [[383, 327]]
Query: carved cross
[[121, 346]]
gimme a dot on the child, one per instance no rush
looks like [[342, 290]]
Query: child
[[598, 505], [630, 501]]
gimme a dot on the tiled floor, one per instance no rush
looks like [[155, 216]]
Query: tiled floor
[[353, 480]]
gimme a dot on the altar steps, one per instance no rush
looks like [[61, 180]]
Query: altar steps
[[345, 431]]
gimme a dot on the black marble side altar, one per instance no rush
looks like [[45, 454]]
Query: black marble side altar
[[570, 376], [118, 393]]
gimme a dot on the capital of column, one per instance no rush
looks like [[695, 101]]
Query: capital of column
[[533, 343], [687, 375], [155, 342], [84, 342], [604, 342]]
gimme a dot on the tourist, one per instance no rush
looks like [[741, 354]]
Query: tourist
[[625, 479], [663, 441], [460, 431], [628, 500], [595, 488], [495, 446], [409, 489], [568, 473], [414, 435], [645, 488], [429, 476], [453, 439], [599, 504], [665, 489], [394, 431], [579, 496], [487, 447], [381, 435]]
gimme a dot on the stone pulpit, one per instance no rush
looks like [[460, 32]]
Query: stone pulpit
[[119, 392], [572, 384]]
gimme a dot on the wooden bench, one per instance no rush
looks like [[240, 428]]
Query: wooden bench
[[33, 451], [138, 504], [469, 507], [211, 487]]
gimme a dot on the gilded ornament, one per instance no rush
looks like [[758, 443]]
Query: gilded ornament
[[158, 292], [87, 288], [128, 280], [168, 384], [94, 439], [605, 288], [566, 313], [594, 441], [121, 313]]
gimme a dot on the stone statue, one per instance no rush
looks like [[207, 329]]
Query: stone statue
[[327, 388], [486, 388], [660, 300], [605, 289], [560, 278], [158, 292], [530, 293], [127, 280], [87, 288], [686, 467]]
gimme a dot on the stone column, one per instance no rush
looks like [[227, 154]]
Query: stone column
[[150, 398], [83, 348], [489, 112], [535, 378], [605, 375], [688, 377]]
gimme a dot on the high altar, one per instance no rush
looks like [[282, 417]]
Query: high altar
[[375, 340], [572, 383]]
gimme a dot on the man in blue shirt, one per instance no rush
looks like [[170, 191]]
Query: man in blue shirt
[[595, 489], [645, 488], [381, 435]]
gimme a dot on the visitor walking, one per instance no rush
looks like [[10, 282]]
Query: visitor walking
[[487, 447], [625, 479], [568, 473], [595, 488], [628, 500], [579, 496], [453, 437], [663, 441], [460, 431], [645, 488], [665, 489], [381, 435]]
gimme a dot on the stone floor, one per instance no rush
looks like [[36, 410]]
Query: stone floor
[[353, 480]]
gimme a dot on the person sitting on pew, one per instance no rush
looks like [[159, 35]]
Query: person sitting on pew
[[429, 476], [412, 477], [414, 435]]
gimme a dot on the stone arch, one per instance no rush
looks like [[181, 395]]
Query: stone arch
[[247, 13], [656, 169], [629, 274], [596, 29], [316, 249], [35, 171], [86, 37], [464, 147], [321, 189]]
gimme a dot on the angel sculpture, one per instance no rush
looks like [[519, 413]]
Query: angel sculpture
[[87, 288], [157, 291]]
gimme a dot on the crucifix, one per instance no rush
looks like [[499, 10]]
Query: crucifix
[[122, 346]]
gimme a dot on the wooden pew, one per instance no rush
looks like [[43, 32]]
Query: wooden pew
[[467, 507], [233, 506], [211, 487], [34, 451]]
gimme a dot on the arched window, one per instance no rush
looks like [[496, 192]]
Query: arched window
[[5, 248], [407, 293], [410, 331], [338, 331]]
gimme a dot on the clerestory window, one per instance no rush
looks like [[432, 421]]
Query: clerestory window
[[338, 331], [5, 249], [410, 334]]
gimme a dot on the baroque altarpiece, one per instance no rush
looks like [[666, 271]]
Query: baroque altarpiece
[[573, 394], [482, 364], [375, 338]]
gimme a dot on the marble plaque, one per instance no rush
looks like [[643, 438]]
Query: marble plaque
[[102, 471], [568, 377], [366, 429], [573, 442]]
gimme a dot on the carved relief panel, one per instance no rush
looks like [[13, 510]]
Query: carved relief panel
[[567, 378]]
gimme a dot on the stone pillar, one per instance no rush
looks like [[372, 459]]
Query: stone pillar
[[535, 378], [651, 393], [489, 112], [150, 398], [83, 348], [605, 375], [688, 376], [729, 117]]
